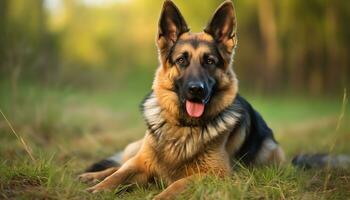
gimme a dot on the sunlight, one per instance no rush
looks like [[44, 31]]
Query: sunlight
[[55, 6], [103, 2]]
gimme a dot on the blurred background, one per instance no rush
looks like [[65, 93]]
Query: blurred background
[[72, 72], [288, 45]]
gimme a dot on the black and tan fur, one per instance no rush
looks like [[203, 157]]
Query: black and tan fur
[[178, 148]]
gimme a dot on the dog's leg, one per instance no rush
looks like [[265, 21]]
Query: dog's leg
[[97, 176], [129, 172], [131, 150], [270, 153], [174, 189]]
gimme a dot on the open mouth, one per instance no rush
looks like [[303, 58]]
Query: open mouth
[[194, 109], [194, 102]]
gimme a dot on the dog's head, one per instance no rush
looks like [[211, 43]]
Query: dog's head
[[195, 79]]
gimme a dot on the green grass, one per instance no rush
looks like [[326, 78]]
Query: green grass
[[67, 128]]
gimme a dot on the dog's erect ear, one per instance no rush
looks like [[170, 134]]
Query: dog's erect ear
[[222, 26], [171, 26]]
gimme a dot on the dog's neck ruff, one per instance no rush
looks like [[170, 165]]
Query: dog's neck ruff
[[186, 141]]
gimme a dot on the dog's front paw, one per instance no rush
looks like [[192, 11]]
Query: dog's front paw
[[88, 178], [97, 188]]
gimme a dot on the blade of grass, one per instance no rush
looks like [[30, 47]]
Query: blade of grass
[[25, 146], [339, 121]]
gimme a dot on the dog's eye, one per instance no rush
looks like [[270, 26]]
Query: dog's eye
[[210, 61], [180, 61]]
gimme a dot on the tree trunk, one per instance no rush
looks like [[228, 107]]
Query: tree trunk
[[334, 63], [267, 22], [3, 29]]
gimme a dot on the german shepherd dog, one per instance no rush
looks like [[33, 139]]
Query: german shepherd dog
[[197, 122]]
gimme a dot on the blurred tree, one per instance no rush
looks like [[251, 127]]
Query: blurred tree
[[267, 22], [25, 41], [3, 24], [283, 44]]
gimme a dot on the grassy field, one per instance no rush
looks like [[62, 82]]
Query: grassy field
[[66, 129]]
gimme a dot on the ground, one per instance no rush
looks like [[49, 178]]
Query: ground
[[66, 129]]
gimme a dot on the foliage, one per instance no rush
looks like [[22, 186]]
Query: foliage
[[294, 45]]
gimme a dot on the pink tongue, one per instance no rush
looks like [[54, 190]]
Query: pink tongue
[[194, 109]]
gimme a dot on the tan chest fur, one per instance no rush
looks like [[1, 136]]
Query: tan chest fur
[[173, 151], [170, 163]]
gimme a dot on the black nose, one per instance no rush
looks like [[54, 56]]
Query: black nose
[[196, 90]]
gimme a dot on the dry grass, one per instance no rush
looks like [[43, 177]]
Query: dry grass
[[67, 130]]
